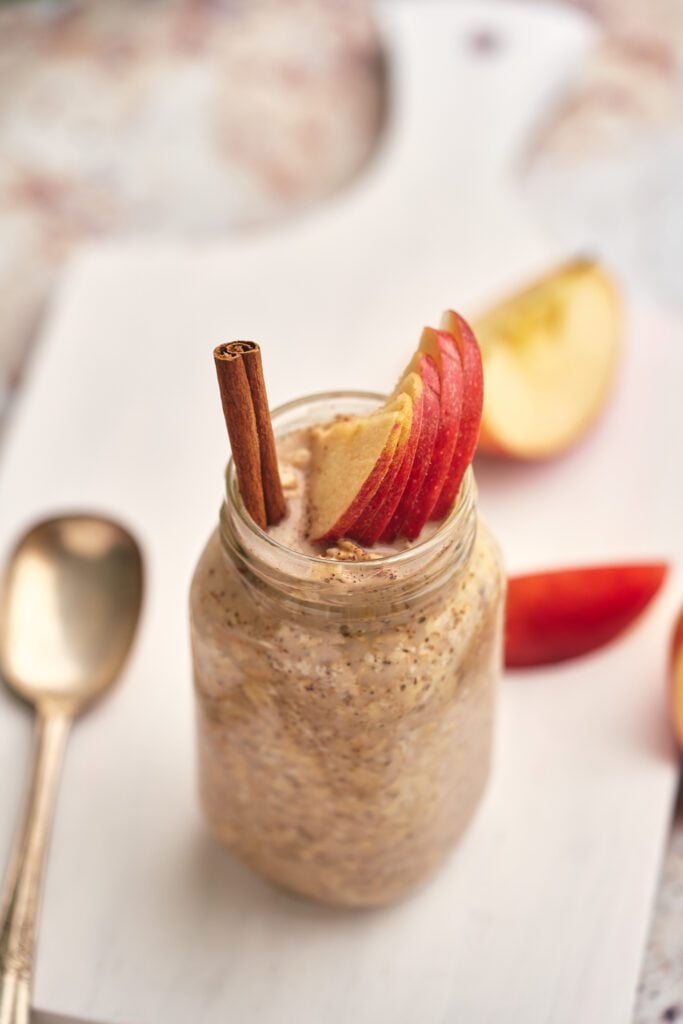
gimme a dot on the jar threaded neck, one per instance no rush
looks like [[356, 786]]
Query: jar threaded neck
[[394, 584]]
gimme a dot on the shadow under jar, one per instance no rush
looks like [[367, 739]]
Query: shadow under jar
[[344, 709]]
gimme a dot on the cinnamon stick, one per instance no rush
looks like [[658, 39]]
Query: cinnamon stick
[[245, 407], [276, 505]]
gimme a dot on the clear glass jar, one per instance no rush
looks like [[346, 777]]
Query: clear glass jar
[[344, 709]]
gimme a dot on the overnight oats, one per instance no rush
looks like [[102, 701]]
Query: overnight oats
[[347, 647]]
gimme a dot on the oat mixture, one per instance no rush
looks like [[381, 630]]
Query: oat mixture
[[343, 757]]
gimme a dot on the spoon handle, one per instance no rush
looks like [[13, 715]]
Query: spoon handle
[[21, 893]]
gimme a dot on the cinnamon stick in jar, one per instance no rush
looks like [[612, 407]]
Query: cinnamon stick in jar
[[276, 505], [245, 407]]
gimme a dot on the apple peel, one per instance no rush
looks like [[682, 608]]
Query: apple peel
[[442, 348], [563, 614], [676, 681], [472, 404], [426, 367], [381, 507]]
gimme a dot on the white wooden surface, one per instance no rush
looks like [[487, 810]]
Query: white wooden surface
[[541, 915]]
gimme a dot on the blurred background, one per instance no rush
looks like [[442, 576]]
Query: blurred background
[[201, 118]]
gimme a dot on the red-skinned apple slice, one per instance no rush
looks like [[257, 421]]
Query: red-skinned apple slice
[[426, 367], [442, 348], [370, 526], [402, 403], [470, 419], [349, 459], [676, 681], [555, 616]]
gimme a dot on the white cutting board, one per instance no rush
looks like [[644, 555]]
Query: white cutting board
[[542, 913]]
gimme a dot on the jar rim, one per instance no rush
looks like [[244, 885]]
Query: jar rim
[[458, 514]]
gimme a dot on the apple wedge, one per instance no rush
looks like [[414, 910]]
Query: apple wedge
[[349, 459], [440, 346], [676, 690], [470, 419], [374, 520], [426, 367], [555, 616], [549, 357]]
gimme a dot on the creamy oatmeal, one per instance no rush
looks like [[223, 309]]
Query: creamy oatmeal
[[344, 703]]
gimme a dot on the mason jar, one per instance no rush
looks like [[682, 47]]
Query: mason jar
[[344, 709]]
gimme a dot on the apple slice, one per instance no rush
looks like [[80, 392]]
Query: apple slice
[[676, 691], [555, 616], [442, 349], [374, 520], [470, 420], [549, 356], [425, 365], [349, 459]]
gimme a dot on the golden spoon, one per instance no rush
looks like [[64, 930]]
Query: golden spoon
[[70, 606]]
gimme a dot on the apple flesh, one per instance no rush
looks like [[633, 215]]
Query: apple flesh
[[470, 420], [349, 459], [429, 375], [375, 519], [442, 349], [555, 616], [549, 356], [676, 677]]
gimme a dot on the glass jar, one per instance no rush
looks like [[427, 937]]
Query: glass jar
[[344, 709]]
